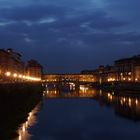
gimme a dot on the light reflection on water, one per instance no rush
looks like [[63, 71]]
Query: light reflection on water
[[31, 120], [123, 104]]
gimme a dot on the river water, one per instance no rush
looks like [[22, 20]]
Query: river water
[[84, 113]]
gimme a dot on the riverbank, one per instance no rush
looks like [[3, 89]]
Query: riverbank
[[16, 101]]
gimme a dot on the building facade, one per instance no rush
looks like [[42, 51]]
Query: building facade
[[12, 68], [128, 69], [34, 69]]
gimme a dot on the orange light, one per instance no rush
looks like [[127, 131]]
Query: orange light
[[15, 75], [8, 73], [136, 79], [20, 76]]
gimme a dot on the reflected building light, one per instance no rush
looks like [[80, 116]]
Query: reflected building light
[[44, 93], [71, 87], [108, 94], [47, 92], [121, 102], [23, 130], [110, 97], [19, 138], [130, 102], [26, 124], [23, 127], [113, 93], [124, 99], [100, 92], [83, 88], [30, 114], [136, 101]]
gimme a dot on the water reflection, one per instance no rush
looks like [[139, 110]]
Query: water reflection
[[124, 104], [31, 120], [68, 91]]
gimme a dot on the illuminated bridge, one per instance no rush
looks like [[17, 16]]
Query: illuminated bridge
[[83, 78]]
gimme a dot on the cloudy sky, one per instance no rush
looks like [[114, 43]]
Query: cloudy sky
[[71, 35]]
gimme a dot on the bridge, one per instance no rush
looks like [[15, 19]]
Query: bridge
[[76, 78]]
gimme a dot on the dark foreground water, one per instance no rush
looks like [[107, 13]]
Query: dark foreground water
[[84, 114]]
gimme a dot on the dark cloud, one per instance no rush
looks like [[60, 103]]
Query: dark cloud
[[31, 13], [68, 36]]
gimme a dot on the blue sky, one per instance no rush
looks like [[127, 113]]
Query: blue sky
[[71, 35]]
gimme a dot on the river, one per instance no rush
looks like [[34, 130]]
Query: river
[[83, 113]]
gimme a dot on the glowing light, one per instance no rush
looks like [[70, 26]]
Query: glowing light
[[47, 92], [100, 92], [23, 76], [8, 73], [31, 120], [108, 94], [129, 79], [23, 128], [136, 79], [136, 101], [121, 102], [15, 74], [20, 76], [130, 102], [129, 73], [19, 138], [124, 99], [30, 114], [111, 79], [83, 88]]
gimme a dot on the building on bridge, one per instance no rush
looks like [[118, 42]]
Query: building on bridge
[[68, 78]]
